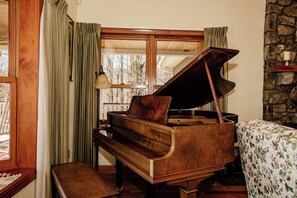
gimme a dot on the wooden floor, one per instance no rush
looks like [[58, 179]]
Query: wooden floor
[[135, 186]]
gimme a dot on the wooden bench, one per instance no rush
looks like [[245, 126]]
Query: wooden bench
[[80, 179]]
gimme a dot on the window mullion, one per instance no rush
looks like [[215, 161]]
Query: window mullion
[[7, 79], [151, 63]]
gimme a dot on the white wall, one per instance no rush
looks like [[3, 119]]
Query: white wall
[[244, 18], [27, 192], [72, 9]]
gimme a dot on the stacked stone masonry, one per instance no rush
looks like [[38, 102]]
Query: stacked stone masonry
[[280, 89]]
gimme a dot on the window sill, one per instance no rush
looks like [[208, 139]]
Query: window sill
[[28, 175]]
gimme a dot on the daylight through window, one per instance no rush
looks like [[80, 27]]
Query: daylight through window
[[138, 63]]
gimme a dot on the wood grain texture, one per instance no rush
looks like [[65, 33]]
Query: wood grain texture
[[11, 78], [162, 152], [283, 68], [196, 149], [138, 31], [194, 152], [80, 179], [12, 74], [27, 72], [154, 108], [214, 94], [24, 52]]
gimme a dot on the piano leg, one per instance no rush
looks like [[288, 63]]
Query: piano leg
[[119, 175], [188, 189]]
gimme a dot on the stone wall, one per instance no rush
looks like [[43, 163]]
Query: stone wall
[[280, 89]]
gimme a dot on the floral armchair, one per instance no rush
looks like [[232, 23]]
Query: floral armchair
[[268, 154]]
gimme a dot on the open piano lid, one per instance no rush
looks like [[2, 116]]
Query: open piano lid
[[190, 87]]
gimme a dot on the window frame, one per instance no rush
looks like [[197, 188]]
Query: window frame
[[25, 29], [12, 80], [151, 36]]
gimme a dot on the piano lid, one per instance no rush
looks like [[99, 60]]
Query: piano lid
[[190, 87]]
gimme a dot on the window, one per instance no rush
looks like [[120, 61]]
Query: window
[[172, 56], [7, 86], [139, 61], [21, 85], [19, 37]]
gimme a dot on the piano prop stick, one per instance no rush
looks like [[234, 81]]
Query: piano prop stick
[[214, 94]]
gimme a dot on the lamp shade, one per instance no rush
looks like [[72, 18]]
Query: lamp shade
[[102, 81]]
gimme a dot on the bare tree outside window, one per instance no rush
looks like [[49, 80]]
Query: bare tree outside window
[[4, 120], [3, 63], [132, 69], [123, 69], [4, 108], [4, 87]]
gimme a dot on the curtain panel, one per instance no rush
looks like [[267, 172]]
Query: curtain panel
[[87, 60], [217, 37], [53, 93]]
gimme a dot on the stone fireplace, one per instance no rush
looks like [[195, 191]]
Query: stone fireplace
[[280, 88]]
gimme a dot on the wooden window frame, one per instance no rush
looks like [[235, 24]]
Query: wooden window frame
[[12, 80], [151, 36], [24, 55]]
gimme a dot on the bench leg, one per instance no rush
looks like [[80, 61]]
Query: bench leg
[[119, 175], [96, 153]]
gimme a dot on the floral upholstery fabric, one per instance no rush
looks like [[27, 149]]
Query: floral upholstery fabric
[[268, 154]]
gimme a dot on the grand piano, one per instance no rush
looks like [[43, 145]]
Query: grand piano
[[165, 139]]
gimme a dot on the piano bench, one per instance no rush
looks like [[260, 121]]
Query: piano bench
[[80, 179]]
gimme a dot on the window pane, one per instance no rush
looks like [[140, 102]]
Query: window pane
[[4, 120], [172, 56], [3, 63], [4, 87], [4, 38], [118, 99], [124, 61]]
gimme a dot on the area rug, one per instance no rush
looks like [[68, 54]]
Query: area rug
[[7, 178]]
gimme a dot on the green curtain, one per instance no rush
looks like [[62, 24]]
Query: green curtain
[[87, 60], [57, 78], [53, 93], [217, 37]]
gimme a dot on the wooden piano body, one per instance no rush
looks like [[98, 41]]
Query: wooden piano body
[[163, 140]]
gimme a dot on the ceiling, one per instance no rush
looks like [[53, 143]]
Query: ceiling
[[3, 22]]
